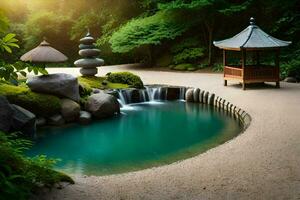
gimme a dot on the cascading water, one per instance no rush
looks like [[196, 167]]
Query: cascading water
[[182, 93], [154, 93], [144, 95], [149, 94]]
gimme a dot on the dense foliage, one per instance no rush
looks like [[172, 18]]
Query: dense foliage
[[11, 72], [20, 175], [148, 30]]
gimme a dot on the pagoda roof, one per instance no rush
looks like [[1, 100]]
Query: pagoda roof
[[251, 37]]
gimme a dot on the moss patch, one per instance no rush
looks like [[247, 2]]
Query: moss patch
[[126, 78], [96, 82], [39, 104]]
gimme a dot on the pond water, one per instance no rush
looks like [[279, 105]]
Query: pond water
[[145, 135]]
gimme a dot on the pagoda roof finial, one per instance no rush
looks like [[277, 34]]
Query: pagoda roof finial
[[252, 21]]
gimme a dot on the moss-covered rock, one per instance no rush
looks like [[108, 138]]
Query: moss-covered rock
[[40, 104]]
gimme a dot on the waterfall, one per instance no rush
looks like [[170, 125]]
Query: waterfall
[[182, 93], [155, 93], [144, 95], [121, 97], [149, 94]]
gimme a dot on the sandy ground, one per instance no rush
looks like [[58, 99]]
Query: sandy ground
[[261, 163]]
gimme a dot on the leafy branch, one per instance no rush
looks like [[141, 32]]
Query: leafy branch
[[8, 42]]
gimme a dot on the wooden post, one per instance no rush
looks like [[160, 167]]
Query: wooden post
[[224, 64], [277, 65], [243, 67], [257, 58]]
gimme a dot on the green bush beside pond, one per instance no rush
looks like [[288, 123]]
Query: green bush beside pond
[[40, 104], [125, 78]]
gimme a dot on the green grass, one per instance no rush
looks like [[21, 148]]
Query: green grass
[[96, 82], [39, 104]]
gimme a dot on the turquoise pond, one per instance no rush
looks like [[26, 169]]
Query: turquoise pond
[[144, 135]]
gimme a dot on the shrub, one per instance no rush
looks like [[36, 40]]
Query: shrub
[[39, 104], [291, 68], [184, 66], [187, 51], [20, 175], [126, 78], [185, 43], [188, 55], [217, 67], [191, 69]]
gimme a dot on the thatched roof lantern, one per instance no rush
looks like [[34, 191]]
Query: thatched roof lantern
[[44, 53]]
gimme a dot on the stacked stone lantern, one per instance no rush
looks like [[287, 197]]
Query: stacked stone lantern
[[88, 51]]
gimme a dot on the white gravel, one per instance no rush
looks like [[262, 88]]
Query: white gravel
[[261, 163]]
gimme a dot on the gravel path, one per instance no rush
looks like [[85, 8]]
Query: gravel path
[[261, 163]]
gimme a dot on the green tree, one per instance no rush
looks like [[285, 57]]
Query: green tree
[[209, 12], [149, 31]]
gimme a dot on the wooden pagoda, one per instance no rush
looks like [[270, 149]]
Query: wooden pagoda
[[254, 40]]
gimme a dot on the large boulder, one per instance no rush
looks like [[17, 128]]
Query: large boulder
[[70, 110], [23, 120], [6, 114], [102, 105], [63, 85]]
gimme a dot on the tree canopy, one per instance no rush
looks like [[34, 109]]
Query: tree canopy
[[134, 30], [152, 30]]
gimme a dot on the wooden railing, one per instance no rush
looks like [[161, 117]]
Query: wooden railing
[[252, 73], [261, 73], [233, 72]]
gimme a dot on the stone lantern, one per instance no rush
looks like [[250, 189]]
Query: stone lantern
[[88, 51]]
